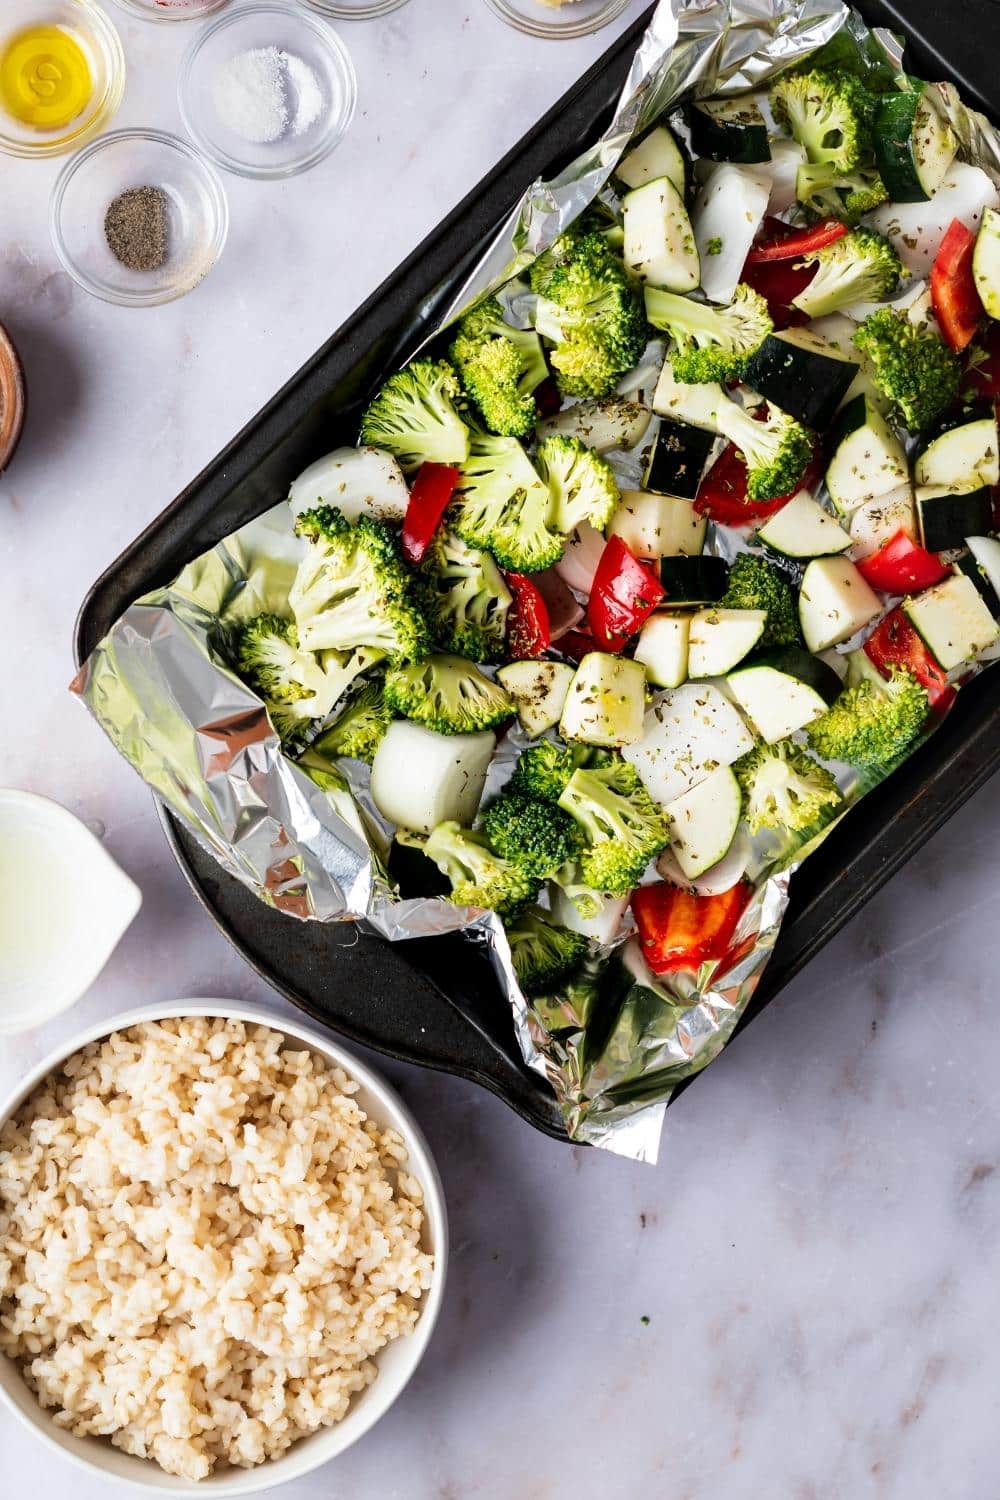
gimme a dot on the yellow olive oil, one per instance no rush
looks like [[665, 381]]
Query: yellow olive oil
[[45, 77]]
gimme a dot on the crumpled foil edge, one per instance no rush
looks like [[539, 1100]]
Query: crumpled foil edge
[[159, 685]]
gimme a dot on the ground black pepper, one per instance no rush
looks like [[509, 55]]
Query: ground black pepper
[[135, 227]]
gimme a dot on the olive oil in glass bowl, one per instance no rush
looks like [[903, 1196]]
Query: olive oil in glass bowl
[[62, 75]]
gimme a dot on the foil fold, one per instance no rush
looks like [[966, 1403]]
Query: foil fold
[[617, 1041]]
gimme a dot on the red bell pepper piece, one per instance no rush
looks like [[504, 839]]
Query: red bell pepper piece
[[781, 241], [429, 499], [547, 398], [681, 930], [528, 629], [722, 494], [895, 643], [576, 644], [953, 289], [901, 567], [779, 282], [624, 592]]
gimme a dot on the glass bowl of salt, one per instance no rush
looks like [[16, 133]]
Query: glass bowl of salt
[[138, 217], [267, 91]]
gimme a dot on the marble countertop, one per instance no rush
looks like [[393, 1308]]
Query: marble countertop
[[797, 1302]]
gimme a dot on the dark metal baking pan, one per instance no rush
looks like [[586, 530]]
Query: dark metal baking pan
[[434, 1001]]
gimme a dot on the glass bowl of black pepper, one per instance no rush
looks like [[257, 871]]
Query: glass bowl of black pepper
[[139, 217]]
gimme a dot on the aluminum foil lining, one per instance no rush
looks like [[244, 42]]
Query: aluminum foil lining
[[618, 1040]]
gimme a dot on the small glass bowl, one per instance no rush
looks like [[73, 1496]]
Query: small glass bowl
[[171, 10], [197, 215], [272, 24], [91, 28], [354, 10], [572, 18]]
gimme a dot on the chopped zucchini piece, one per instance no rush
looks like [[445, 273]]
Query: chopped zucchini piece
[[663, 648], [834, 602], [656, 155], [659, 242], [803, 529], [721, 638], [703, 822], [952, 621], [605, 701], [539, 690], [657, 526]]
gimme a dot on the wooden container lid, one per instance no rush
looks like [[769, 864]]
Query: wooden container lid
[[12, 398]]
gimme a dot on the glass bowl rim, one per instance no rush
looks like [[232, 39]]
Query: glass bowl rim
[[177, 143], [340, 10], [106, 108], [549, 31], [145, 12], [327, 37]]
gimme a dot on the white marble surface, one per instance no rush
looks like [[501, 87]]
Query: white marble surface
[[814, 1251]]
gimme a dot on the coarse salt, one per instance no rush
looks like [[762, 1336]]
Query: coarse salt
[[261, 93], [308, 94]]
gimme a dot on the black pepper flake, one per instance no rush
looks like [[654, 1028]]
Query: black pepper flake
[[135, 227]]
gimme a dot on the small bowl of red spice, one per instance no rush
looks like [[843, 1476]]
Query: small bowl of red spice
[[139, 217], [171, 10], [12, 398]]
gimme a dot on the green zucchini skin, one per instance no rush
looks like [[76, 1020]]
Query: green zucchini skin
[[797, 662], [728, 130], [693, 580], [962, 416], [970, 567], [806, 384], [946, 520], [678, 459], [415, 874], [909, 146]]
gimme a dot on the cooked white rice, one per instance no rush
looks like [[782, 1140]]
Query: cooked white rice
[[203, 1242]]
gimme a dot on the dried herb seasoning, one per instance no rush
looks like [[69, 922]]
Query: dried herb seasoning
[[135, 226]]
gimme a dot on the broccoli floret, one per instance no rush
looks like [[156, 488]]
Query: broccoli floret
[[623, 825], [298, 685], [829, 114], [859, 267], [754, 583], [544, 769], [465, 599], [860, 194], [911, 366], [271, 660], [776, 451], [533, 833], [587, 901], [591, 310], [502, 506], [784, 788], [353, 589], [873, 722], [478, 876], [500, 367], [842, 195], [414, 417], [581, 483], [712, 343], [447, 694], [543, 954], [358, 731]]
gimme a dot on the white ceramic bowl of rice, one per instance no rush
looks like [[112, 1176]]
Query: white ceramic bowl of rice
[[223, 1246]]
